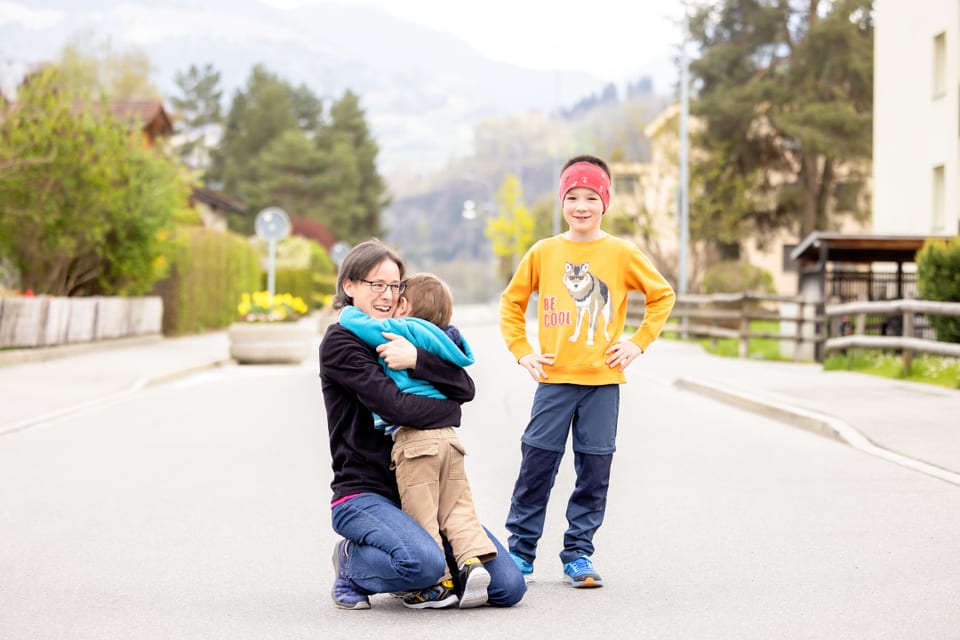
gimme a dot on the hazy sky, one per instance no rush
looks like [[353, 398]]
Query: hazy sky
[[610, 38]]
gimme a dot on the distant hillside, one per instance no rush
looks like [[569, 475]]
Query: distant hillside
[[425, 219], [422, 89]]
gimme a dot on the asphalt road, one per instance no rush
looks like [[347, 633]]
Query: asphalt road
[[199, 509]]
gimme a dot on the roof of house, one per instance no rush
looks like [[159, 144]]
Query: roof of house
[[862, 248], [217, 199], [149, 113]]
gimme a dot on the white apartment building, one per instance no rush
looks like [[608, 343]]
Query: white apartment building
[[916, 126]]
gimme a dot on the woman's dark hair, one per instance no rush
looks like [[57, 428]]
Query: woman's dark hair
[[358, 262]]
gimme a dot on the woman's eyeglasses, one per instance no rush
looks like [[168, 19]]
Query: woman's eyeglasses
[[380, 287]]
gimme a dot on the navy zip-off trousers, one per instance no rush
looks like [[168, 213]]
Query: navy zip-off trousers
[[590, 413]]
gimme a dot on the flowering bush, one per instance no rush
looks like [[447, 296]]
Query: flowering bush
[[16, 293], [259, 307]]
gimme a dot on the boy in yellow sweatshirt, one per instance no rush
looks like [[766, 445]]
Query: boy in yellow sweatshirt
[[582, 277]]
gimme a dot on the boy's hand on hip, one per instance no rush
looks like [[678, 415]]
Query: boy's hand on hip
[[620, 355], [534, 364]]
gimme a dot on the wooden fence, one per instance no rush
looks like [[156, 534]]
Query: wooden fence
[[46, 321], [728, 315], [807, 328], [907, 342]]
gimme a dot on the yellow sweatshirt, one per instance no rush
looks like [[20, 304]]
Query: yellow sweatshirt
[[582, 304]]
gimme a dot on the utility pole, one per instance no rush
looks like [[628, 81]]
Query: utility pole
[[557, 213], [683, 187]]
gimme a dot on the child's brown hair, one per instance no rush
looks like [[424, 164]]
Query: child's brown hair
[[429, 299]]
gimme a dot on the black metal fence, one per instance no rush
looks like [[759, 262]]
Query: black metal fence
[[844, 286]]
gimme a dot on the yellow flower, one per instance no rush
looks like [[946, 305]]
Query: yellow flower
[[260, 307]]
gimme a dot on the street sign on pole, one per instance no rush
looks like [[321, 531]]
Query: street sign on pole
[[272, 224], [339, 251]]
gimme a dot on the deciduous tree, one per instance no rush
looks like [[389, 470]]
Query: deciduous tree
[[512, 230], [83, 207], [784, 89]]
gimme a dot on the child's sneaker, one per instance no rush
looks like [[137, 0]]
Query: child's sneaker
[[438, 596], [344, 594], [475, 579], [581, 574], [526, 568]]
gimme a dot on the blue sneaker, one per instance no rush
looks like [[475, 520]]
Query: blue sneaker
[[345, 595], [581, 574], [526, 568]]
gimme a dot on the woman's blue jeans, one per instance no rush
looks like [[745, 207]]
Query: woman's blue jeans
[[391, 552]]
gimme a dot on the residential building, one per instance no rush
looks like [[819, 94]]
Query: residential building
[[916, 120], [647, 193]]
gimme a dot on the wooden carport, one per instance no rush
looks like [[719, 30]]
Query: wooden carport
[[828, 261], [837, 268]]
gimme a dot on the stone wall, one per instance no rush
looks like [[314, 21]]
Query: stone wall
[[50, 321]]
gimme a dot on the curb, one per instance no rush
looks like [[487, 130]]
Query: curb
[[821, 424], [43, 354]]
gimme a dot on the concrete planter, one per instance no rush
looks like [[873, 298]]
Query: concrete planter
[[270, 342]]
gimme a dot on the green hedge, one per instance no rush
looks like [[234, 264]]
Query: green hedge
[[208, 272], [303, 269], [938, 279], [734, 276], [294, 281]]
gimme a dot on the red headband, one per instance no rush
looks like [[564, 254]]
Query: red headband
[[589, 175]]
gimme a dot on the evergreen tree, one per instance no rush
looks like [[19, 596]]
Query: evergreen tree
[[199, 113], [294, 173], [352, 164], [278, 150], [784, 89], [259, 114]]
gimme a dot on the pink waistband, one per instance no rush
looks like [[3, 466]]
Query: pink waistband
[[343, 499]]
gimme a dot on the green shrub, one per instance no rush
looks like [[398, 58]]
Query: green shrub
[[298, 282], [734, 277], [209, 270], [938, 279]]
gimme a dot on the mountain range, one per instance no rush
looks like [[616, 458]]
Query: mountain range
[[423, 90]]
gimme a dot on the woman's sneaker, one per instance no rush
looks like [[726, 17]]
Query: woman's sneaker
[[526, 568], [475, 579], [581, 574], [439, 596], [344, 594]]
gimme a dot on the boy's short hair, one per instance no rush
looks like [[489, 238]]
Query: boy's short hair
[[429, 298], [587, 158]]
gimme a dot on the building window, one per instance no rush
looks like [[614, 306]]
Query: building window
[[939, 65], [789, 264], [939, 205], [625, 185]]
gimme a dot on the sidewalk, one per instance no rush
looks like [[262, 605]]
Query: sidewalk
[[911, 424], [36, 391], [914, 425]]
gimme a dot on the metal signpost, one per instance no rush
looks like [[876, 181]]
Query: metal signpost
[[272, 224], [339, 251]]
